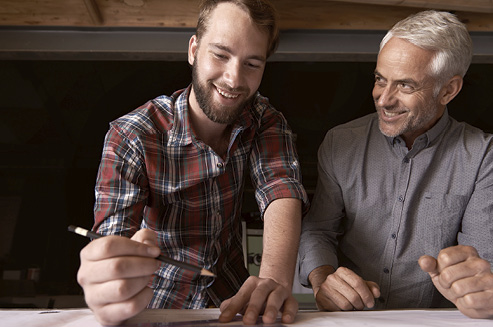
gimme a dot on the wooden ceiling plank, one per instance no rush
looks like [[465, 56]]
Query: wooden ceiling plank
[[343, 15], [44, 12], [294, 14], [480, 6], [157, 13], [94, 12]]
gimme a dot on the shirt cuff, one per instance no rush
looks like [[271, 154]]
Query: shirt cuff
[[312, 260]]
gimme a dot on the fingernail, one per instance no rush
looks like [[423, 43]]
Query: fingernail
[[223, 317], [250, 316], [287, 318], [270, 315]]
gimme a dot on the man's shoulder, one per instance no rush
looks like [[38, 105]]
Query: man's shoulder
[[155, 116], [262, 114], [348, 139], [356, 126], [468, 134], [358, 122], [262, 106]]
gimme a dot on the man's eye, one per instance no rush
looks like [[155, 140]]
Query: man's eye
[[252, 65], [219, 56], [379, 80], [406, 87]]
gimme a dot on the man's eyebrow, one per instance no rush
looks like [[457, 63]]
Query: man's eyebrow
[[377, 74], [399, 81], [407, 81], [222, 47]]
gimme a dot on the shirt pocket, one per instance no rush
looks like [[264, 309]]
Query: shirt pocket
[[441, 217]]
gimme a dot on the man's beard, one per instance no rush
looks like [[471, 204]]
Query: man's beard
[[215, 112], [410, 124]]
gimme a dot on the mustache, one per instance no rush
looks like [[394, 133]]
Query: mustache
[[392, 108], [230, 89]]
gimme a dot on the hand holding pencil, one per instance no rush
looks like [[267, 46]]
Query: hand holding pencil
[[184, 265], [115, 272]]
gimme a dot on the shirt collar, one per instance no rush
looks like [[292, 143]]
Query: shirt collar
[[439, 127], [181, 133]]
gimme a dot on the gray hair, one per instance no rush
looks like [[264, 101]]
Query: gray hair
[[442, 33]]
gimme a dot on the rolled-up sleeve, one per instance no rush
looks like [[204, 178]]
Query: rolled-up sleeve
[[274, 164]]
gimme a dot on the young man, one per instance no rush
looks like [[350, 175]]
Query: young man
[[171, 178], [406, 185]]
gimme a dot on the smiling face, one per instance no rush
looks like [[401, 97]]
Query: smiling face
[[228, 63], [404, 91]]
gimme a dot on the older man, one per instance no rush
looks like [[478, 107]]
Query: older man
[[405, 188]]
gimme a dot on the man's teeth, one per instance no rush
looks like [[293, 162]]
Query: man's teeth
[[391, 113], [227, 95]]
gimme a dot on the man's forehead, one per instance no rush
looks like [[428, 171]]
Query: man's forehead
[[231, 28], [404, 59]]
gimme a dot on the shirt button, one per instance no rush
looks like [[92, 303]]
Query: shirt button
[[219, 165], [401, 198], [394, 236], [406, 160], [386, 270]]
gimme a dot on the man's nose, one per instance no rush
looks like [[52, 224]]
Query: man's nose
[[233, 74], [385, 96]]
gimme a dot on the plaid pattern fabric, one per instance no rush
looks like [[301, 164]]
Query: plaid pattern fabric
[[155, 174]]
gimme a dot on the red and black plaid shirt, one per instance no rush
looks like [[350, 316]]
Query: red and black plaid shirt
[[155, 174]]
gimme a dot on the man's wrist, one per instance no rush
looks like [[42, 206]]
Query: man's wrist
[[284, 283], [318, 276]]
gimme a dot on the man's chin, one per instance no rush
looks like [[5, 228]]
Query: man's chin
[[224, 119], [389, 132]]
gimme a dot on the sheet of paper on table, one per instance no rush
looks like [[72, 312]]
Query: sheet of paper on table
[[47, 318], [208, 317]]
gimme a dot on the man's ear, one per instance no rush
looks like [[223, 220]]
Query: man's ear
[[192, 48], [451, 89]]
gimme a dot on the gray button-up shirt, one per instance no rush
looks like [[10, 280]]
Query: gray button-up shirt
[[379, 206]]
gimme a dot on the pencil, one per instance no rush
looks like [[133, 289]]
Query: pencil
[[184, 265]]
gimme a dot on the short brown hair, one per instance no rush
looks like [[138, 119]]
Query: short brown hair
[[262, 12]]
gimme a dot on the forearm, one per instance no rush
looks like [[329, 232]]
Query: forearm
[[282, 226]]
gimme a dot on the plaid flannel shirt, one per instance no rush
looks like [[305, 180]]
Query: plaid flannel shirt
[[156, 174]]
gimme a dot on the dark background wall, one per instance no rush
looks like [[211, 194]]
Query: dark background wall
[[54, 115]]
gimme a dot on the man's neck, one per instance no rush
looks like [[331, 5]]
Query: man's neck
[[213, 134]]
